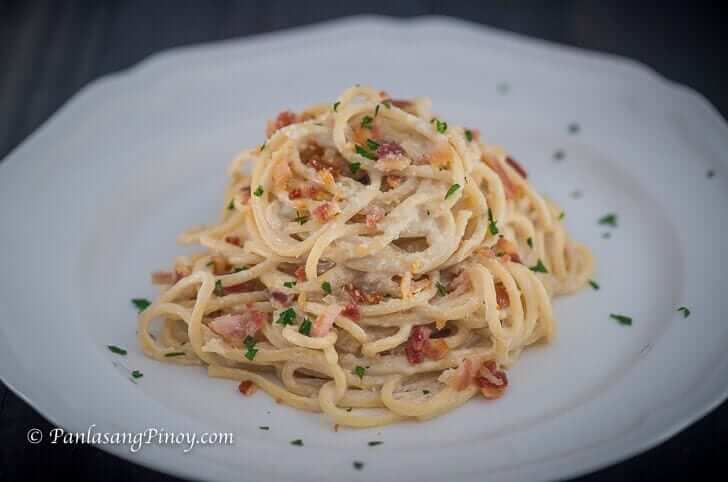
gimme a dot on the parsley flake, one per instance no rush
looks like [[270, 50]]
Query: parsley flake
[[441, 290], [366, 122], [258, 192], [452, 190], [609, 220], [326, 286], [469, 135], [219, 290], [562, 215], [559, 155], [298, 442], [305, 328], [336, 106], [117, 350], [623, 320], [289, 284], [426, 392], [529, 241], [376, 110], [440, 126], [231, 206], [250, 348], [358, 465], [594, 284], [372, 145], [710, 174], [136, 374], [264, 427], [354, 167], [262, 146], [141, 303], [539, 268], [364, 153], [359, 371], [492, 227], [685, 311], [574, 128], [300, 219], [287, 317], [174, 353], [374, 443]]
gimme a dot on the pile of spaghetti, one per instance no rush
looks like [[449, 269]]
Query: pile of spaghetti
[[374, 262]]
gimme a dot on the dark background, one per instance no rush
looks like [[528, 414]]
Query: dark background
[[50, 50]]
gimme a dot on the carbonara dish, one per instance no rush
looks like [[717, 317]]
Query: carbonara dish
[[372, 261]]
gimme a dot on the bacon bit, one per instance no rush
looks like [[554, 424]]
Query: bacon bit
[[416, 344], [460, 284], [323, 212], [513, 191], [235, 240], [325, 321], [462, 376], [220, 265], [235, 328], [281, 298], [245, 195], [436, 349], [352, 311], [393, 182], [515, 165], [246, 287], [182, 272], [163, 278], [440, 156], [401, 103], [300, 273], [373, 214], [247, 388], [362, 297], [284, 119], [281, 174], [390, 149], [501, 296], [492, 382], [508, 247], [295, 194]]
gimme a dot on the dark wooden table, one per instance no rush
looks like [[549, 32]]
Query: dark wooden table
[[50, 50]]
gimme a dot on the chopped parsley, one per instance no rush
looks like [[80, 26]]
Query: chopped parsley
[[372, 145], [440, 126], [502, 88], [238, 269], [358, 465], [264, 427], [258, 192], [298, 442], [441, 290], [364, 153], [559, 155], [710, 174], [354, 166], [305, 328], [426, 392], [594, 284], [136, 374], [359, 371], [366, 122], [250, 348], [326, 286], [174, 353], [452, 190], [609, 220], [562, 215], [336, 106], [141, 303], [469, 135], [300, 219], [623, 320], [529, 241], [684, 311], [539, 268], [219, 290], [231, 206], [374, 443], [574, 128], [376, 110], [576, 194], [262, 146], [117, 350], [210, 264], [287, 317], [387, 103], [492, 227], [606, 235], [289, 284]]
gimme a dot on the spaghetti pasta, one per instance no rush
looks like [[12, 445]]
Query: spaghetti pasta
[[377, 264]]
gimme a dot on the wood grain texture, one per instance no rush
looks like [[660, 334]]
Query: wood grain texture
[[50, 50]]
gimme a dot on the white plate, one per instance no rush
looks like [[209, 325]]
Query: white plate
[[92, 202]]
